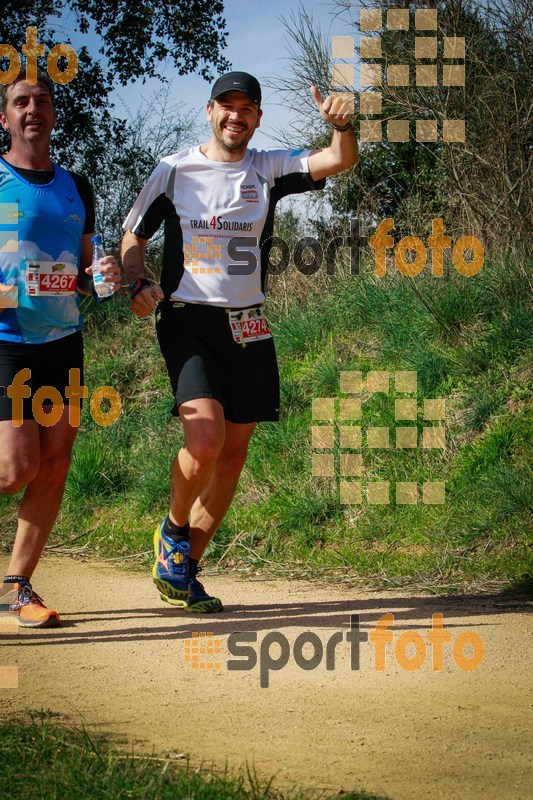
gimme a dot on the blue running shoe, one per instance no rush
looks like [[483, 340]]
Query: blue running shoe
[[171, 569], [198, 601]]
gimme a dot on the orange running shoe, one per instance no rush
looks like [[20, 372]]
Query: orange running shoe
[[30, 610]]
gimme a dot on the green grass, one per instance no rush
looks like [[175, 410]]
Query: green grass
[[47, 761], [468, 339]]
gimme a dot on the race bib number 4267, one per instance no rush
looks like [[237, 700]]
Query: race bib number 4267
[[50, 278]]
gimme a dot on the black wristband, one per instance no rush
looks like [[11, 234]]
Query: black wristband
[[136, 286], [342, 128]]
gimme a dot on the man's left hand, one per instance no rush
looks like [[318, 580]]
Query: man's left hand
[[334, 109]]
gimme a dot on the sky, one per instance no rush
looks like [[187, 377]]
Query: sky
[[256, 43]]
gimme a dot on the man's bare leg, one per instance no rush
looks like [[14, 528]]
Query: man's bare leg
[[204, 478], [210, 507], [43, 470], [38, 458], [204, 428]]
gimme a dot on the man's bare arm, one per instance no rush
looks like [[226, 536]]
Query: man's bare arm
[[343, 152], [84, 280], [132, 253]]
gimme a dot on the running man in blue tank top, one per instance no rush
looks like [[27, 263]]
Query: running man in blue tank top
[[46, 223]]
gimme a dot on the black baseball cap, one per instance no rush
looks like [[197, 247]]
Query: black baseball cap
[[238, 82]]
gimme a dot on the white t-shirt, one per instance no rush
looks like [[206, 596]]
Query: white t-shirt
[[207, 207]]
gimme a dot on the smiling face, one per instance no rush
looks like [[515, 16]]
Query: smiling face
[[29, 115], [234, 118]]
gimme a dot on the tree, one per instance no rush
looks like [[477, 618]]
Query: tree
[[120, 166], [136, 37], [481, 185]]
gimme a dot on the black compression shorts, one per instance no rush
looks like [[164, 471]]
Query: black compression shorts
[[49, 364], [204, 360]]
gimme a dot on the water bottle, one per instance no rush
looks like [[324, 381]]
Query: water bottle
[[101, 287]]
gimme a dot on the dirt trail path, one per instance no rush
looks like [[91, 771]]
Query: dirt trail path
[[119, 661]]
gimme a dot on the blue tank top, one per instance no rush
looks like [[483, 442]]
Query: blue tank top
[[41, 230]]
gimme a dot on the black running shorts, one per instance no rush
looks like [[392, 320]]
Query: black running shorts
[[49, 364], [204, 360]]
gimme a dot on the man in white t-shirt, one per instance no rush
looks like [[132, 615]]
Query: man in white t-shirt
[[217, 203]]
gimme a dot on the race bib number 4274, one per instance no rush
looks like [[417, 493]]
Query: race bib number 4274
[[248, 325], [50, 278]]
